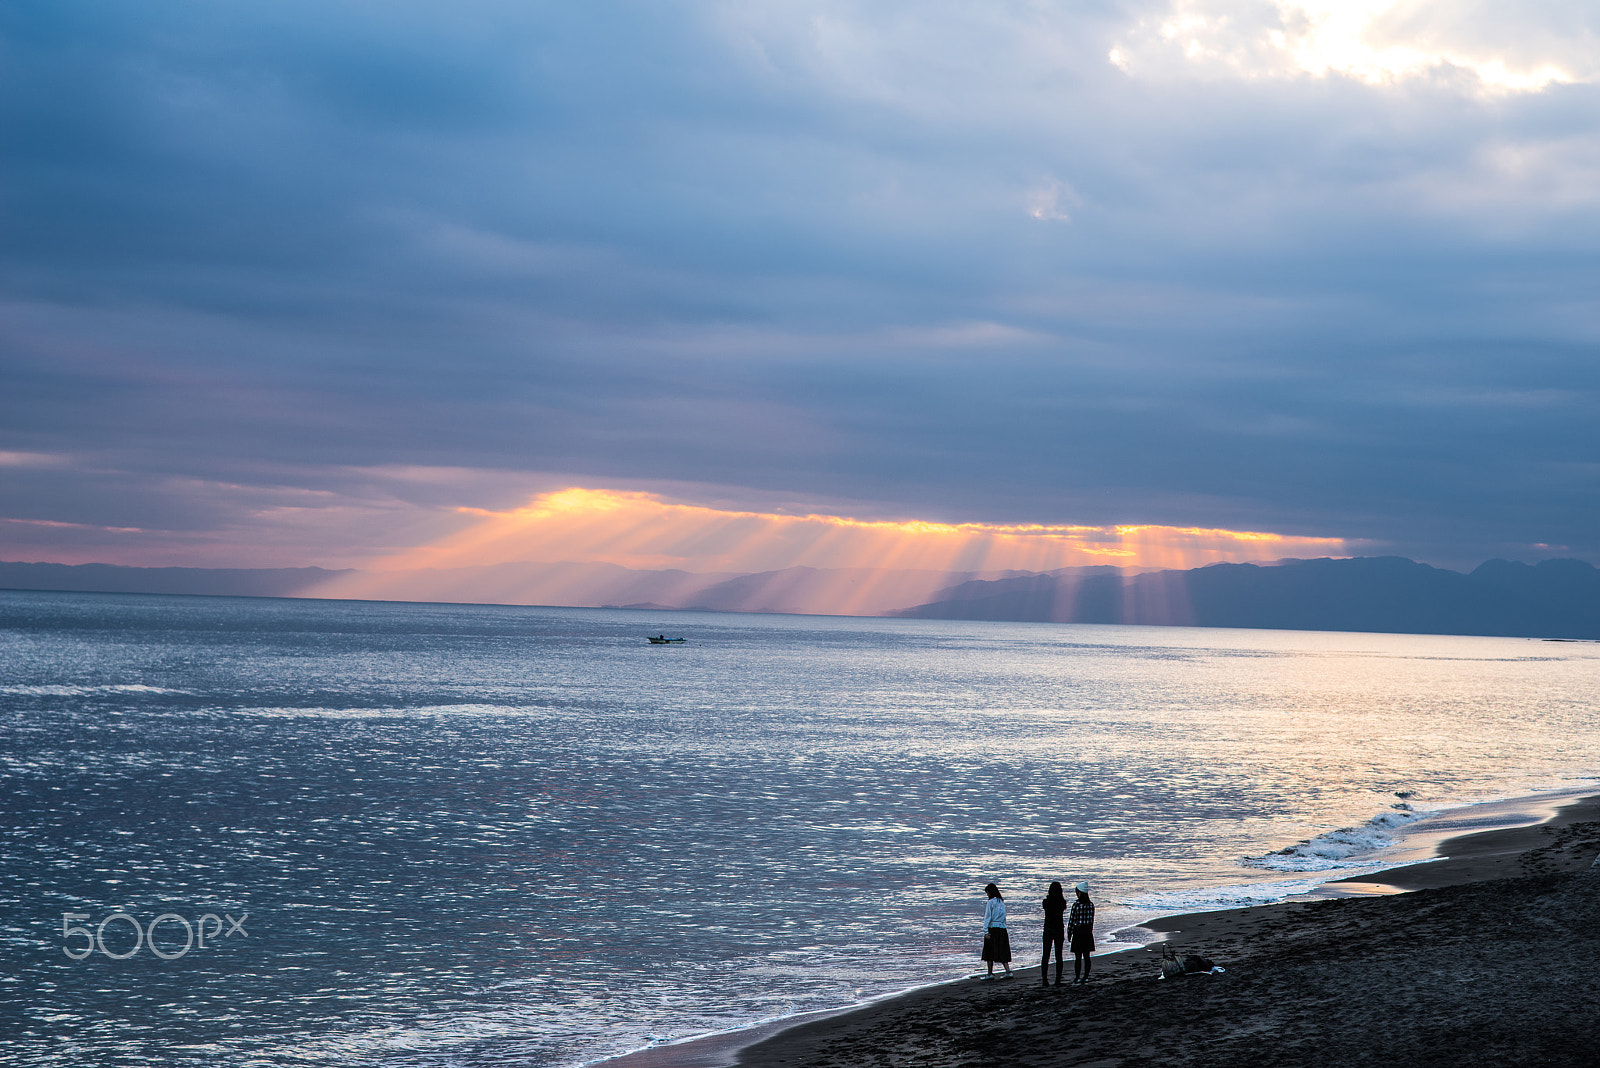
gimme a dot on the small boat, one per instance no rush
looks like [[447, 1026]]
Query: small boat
[[662, 639]]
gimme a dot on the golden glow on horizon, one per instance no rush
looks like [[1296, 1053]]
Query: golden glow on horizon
[[869, 566], [642, 530]]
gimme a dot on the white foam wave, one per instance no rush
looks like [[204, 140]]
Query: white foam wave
[[378, 713], [83, 691], [1348, 847], [1215, 898]]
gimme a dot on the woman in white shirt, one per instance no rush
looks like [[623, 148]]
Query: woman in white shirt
[[996, 940]]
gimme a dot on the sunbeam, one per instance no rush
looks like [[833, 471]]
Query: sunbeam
[[881, 564]]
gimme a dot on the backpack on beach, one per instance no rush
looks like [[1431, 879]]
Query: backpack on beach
[[1175, 967]]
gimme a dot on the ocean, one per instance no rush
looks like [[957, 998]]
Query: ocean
[[276, 833]]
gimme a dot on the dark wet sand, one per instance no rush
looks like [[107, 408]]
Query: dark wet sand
[[1493, 960]]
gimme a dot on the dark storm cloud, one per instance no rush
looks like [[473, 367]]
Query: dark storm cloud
[[954, 263]]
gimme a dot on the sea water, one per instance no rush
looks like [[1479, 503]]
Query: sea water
[[418, 835]]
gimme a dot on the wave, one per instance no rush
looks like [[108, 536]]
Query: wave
[[1215, 898], [83, 691], [368, 712], [1348, 847]]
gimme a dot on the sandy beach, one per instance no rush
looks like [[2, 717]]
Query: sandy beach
[[1493, 959], [1491, 956]]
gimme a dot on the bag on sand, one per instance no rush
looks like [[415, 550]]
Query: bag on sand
[[1175, 967]]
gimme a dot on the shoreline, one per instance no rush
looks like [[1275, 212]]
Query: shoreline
[[1465, 853]]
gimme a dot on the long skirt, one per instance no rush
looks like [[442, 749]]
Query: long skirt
[[997, 945]]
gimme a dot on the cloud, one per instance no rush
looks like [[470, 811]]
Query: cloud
[[1483, 48], [937, 260], [643, 530]]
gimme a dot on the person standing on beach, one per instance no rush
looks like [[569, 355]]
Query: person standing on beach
[[996, 939], [1055, 908], [1080, 933]]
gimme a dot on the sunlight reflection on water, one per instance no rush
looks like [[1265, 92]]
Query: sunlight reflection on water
[[480, 834]]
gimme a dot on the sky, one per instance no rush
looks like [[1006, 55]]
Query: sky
[[646, 532], [358, 283]]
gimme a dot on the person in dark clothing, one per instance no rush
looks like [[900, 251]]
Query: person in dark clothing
[[1080, 933], [1055, 908]]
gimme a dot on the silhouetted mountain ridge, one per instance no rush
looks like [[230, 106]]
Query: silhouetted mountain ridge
[[1556, 598], [1553, 599], [207, 581]]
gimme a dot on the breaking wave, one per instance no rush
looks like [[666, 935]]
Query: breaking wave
[[1348, 847], [1216, 898]]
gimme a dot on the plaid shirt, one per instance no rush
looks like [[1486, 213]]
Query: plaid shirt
[[1082, 915]]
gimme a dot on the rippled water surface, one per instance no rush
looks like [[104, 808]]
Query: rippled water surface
[[475, 835]]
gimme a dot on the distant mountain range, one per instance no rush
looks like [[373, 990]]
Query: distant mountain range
[[793, 590], [209, 581], [1554, 599]]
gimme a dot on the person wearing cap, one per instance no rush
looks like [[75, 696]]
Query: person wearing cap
[[996, 939], [1080, 933]]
